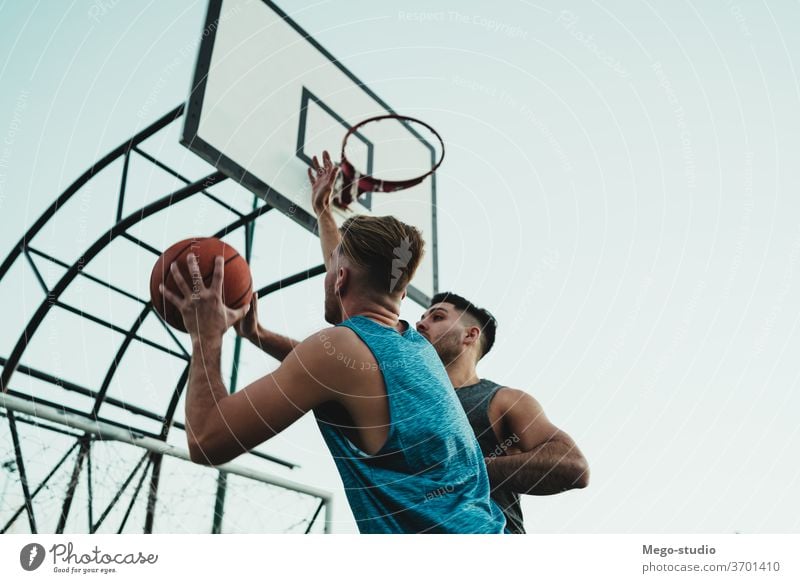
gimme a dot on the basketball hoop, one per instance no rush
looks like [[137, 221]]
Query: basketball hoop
[[354, 183]]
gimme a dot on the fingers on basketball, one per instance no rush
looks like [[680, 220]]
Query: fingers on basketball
[[177, 276], [219, 274], [194, 271], [170, 297]]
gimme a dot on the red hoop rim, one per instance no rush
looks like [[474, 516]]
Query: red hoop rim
[[368, 183]]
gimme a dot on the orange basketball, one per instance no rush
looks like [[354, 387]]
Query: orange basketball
[[237, 287]]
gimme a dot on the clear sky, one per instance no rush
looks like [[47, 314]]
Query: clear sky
[[620, 190]]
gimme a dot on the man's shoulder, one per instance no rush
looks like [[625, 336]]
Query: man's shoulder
[[327, 342], [332, 355], [329, 334], [507, 398]]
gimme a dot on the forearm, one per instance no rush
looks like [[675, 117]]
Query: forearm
[[553, 467], [329, 236], [275, 345], [205, 391]]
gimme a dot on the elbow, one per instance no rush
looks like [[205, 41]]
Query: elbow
[[205, 452], [214, 449], [200, 455], [581, 475], [210, 456]]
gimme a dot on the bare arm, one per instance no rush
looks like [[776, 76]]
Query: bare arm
[[220, 426], [540, 458], [224, 426], [204, 390], [323, 180], [276, 345]]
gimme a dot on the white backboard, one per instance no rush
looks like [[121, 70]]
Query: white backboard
[[266, 97]]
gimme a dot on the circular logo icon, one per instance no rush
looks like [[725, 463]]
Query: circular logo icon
[[31, 556]]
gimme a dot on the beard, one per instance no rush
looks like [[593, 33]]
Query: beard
[[333, 307], [333, 311], [448, 346]]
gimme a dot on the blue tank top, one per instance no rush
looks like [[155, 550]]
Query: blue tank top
[[429, 477]]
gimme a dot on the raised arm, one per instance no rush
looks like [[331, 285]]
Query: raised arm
[[540, 459], [323, 180]]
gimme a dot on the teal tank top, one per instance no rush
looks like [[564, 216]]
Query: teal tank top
[[429, 477]]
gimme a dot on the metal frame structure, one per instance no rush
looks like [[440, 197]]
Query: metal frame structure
[[86, 427]]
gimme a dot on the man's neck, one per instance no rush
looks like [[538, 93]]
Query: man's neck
[[462, 372], [383, 314]]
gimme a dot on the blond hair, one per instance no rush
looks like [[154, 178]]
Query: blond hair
[[388, 251]]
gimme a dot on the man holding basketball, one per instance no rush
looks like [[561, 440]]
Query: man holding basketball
[[367, 379]]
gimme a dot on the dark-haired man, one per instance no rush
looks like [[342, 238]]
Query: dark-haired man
[[524, 452]]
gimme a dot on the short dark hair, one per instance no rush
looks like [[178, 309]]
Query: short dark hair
[[487, 322]]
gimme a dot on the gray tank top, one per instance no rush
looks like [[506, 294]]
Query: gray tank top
[[475, 399]]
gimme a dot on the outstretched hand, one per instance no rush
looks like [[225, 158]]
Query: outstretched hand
[[204, 313], [323, 181]]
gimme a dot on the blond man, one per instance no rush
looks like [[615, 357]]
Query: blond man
[[385, 407]]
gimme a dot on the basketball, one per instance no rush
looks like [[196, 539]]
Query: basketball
[[237, 286]]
